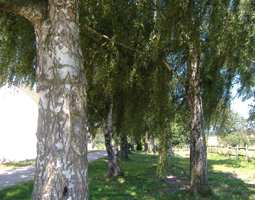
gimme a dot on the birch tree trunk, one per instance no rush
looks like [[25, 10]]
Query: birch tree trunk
[[147, 141], [154, 146], [61, 164], [110, 143], [132, 143], [199, 183], [123, 146], [170, 145]]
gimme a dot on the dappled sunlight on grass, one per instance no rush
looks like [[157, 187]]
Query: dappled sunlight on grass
[[20, 191], [141, 182], [121, 180], [239, 168]]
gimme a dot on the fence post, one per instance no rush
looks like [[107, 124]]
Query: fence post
[[216, 149], [210, 149], [221, 150], [228, 150], [237, 152]]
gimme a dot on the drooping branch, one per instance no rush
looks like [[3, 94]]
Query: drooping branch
[[119, 43], [245, 56], [138, 51], [156, 8], [217, 42]]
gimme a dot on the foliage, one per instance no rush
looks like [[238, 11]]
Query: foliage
[[252, 110], [234, 139], [139, 145], [98, 140], [232, 123], [18, 50], [164, 156], [181, 135]]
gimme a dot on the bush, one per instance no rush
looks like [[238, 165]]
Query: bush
[[235, 139]]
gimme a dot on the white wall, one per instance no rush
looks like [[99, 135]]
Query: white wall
[[18, 123]]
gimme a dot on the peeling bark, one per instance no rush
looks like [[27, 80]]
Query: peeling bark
[[110, 143], [61, 164], [199, 183]]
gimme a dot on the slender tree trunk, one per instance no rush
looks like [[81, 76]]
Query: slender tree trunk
[[61, 164], [128, 146], [123, 146], [147, 141], [198, 153], [170, 145], [110, 143], [145, 145], [154, 146], [132, 143]]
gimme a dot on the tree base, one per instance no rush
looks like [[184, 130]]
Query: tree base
[[109, 175], [206, 193]]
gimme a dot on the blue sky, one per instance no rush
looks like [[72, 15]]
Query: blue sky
[[242, 107]]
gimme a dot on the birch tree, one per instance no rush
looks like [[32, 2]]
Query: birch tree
[[61, 164]]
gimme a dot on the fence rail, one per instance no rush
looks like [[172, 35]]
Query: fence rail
[[233, 151]]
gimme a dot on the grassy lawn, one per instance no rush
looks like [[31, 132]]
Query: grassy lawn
[[17, 164], [229, 179], [24, 163]]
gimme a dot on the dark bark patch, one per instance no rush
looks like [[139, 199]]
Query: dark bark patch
[[65, 192]]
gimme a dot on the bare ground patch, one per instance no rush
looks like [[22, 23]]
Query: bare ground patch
[[175, 182]]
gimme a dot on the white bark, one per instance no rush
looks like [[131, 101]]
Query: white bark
[[114, 162], [61, 165], [199, 183]]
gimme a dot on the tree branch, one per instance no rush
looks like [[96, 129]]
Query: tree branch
[[25, 8], [175, 74], [119, 43], [138, 51], [217, 42], [156, 8], [245, 56]]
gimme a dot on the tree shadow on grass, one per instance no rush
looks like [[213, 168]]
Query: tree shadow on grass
[[21, 191], [224, 185]]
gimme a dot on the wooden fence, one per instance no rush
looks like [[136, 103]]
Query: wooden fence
[[248, 153], [184, 150]]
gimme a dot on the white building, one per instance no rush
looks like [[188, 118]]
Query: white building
[[212, 140], [18, 123]]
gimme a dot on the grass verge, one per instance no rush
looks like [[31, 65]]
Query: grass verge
[[229, 179], [13, 165], [24, 163]]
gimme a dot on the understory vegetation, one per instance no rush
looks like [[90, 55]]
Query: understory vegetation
[[229, 179]]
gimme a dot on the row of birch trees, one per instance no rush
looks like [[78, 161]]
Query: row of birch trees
[[131, 67]]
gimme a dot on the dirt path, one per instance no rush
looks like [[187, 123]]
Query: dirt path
[[10, 177]]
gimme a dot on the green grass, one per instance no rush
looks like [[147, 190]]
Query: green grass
[[17, 164], [20, 191], [228, 179], [24, 163]]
